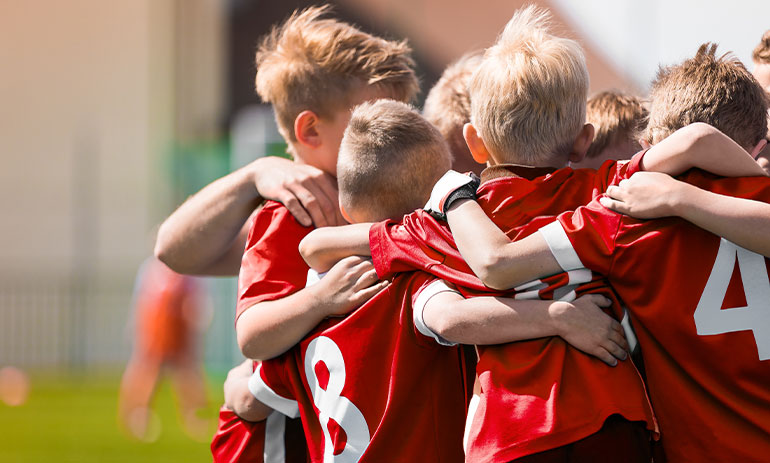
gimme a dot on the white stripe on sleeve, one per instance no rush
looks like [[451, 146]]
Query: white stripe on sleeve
[[435, 287], [560, 246]]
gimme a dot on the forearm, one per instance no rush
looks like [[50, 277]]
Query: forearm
[[202, 235], [701, 146], [491, 320], [739, 220], [494, 258], [240, 400], [270, 328], [324, 247]]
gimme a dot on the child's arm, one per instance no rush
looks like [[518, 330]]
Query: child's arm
[[239, 399], [648, 195], [702, 146], [269, 328], [498, 262], [496, 320], [324, 247], [206, 234]]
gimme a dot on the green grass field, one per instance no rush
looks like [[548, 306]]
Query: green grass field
[[73, 419]]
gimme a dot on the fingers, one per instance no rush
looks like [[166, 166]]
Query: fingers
[[292, 203], [615, 350], [614, 205], [619, 339], [324, 205], [309, 202], [603, 355], [365, 294], [367, 279]]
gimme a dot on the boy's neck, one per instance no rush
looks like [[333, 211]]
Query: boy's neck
[[512, 158]]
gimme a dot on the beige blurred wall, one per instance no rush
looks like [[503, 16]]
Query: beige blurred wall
[[93, 95]]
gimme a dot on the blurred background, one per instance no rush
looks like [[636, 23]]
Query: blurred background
[[112, 113]]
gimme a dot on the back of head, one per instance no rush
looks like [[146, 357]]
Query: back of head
[[762, 51], [617, 118], [448, 104], [528, 96], [706, 88], [389, 159], [314, 63]]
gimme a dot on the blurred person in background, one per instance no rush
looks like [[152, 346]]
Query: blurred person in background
[[617, 118], [169, 315]]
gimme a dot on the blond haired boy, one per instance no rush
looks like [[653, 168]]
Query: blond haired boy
[[698, 300], [448, 107], [528, 108], [617, 119], [761, 57]]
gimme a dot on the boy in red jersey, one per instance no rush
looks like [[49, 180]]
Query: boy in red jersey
[[313, 71], [544, 98], [700, 306], [378, 368], [617, 119]]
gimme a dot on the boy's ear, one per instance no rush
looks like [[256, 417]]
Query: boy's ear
[[758, 148], [475, 144], [345, 214], [306, 129], [582, 143], [644, 144]]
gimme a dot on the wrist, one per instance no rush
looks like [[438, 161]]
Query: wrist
[[556, 314]]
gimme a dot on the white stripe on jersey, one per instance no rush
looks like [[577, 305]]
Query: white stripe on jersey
[[275, 444]]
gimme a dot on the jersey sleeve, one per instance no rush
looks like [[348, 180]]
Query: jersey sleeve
[[272, 267], [270, 386], [420, 300], [584, 238]]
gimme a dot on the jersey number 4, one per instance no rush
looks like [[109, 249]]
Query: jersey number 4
[[711, 319]]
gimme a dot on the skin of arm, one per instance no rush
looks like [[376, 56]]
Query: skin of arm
[[207, 234], [490, 253], [648, 195], [496, 320], [239, 399], [270, 328], [323, 247], [703, 146]]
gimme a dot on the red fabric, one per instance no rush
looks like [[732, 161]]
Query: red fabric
[[538, 394], [710, 391], [236, 440], [272, 267], [411, 392]]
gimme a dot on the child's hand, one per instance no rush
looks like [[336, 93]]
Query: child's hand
[[585, 326], [351, 282], [646, 195], [310, 194]]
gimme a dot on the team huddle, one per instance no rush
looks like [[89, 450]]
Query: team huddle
[[602, 284]]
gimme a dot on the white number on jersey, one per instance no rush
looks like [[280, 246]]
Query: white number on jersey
[[331, 403], [711, 319]]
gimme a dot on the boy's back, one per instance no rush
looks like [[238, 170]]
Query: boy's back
[[557, 394]]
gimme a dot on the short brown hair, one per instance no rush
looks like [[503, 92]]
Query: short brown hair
[[762, 52], [617, 118], [448, 104], [528, 97], [706, 88], [389, 159], [313, 63]]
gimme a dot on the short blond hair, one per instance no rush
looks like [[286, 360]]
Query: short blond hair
[[617, 117], [389, 159], [448, 104], [706, 88], [762, 51], [314, 63], [528, 97]]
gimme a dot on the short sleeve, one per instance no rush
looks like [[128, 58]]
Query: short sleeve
[[269, 385], [272, 267], [420, 300], [584, 238]]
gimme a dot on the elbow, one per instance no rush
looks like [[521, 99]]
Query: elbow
[[308, 250], [701, 133], [164, 251], [447, 325], [490, 270]]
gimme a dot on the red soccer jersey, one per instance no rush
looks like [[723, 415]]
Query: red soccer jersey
[[370, 387], [275, 440], [272, 267], [701, 309], [539, 394]]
